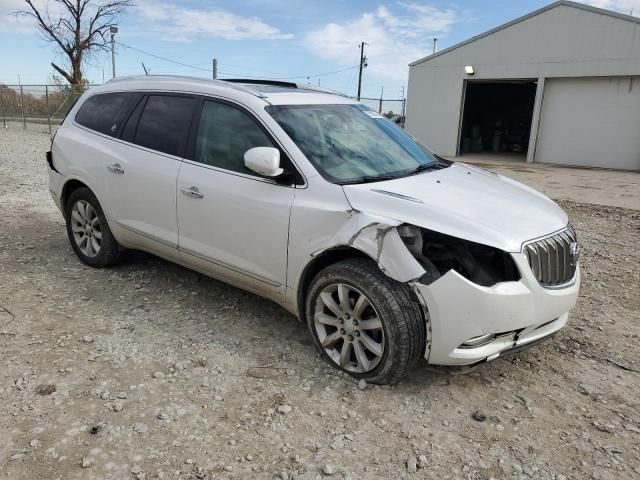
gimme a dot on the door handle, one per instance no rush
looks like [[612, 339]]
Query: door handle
[[115, 168], [192, 192]]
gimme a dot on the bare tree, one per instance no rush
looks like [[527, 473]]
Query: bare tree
[[78, 28]]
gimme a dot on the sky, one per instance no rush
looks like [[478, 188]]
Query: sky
[[311, 41]]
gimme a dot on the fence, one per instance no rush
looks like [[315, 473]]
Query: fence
[[37, 104]]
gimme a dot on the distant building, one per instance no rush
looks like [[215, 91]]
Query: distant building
[[559, 85]]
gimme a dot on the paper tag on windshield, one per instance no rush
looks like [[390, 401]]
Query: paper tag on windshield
[[373, 114]]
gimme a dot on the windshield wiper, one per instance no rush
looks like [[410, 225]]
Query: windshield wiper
[[425, 167], [369, 179]]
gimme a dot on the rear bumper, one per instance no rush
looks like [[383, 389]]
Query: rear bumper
[[56, 182], [512, 315]]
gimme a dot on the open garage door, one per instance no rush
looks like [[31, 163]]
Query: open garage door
[[591, 122], [497, 117]]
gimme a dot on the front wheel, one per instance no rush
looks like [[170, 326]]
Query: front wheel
[[365, 323], [88, 231]]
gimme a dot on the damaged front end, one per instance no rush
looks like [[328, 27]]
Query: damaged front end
[[438, 253], [480, 302]]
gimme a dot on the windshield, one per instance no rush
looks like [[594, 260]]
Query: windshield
[[351, 143]]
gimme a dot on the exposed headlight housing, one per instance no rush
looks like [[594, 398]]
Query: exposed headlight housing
[[438, 253]]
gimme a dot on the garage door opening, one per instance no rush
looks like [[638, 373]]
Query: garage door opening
[[497, 118]]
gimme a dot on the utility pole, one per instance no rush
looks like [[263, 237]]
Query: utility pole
[[435, 43], [24, 120], [380, 104], [113, 31], [46, 94], [4, 120], [363, 64], [214, 68]]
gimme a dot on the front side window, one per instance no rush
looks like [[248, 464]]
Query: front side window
[[164, 123], [106, 111], [224, 135], [352, 144]]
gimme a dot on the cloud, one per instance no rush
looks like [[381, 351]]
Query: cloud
[[177, 22], [622, 6], [394, 38]]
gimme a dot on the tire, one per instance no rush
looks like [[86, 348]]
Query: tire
[[393, 320], [81, 209]]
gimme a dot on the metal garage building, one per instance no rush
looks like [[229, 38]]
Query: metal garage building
[[560, 85]]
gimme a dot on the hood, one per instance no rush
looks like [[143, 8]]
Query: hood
[[463, 201]]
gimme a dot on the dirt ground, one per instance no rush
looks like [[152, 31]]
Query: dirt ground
[[149, 370], [614, 188]]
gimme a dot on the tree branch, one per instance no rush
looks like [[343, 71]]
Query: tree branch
[[81, 28], [44, 26], [68, 77]]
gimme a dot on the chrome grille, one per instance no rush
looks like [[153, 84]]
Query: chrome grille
[[553, 259]]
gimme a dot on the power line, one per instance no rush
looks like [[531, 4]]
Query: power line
[[164, 58], [330, 73], [208, 70], [314, 75]]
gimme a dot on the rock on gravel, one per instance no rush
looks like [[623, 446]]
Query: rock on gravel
[[140, 427], [45, 389], [478, 416]]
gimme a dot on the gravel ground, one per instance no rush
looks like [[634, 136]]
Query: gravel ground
[[149, 370]]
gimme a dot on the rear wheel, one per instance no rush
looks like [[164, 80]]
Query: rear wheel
[[364, 322], [88, 231]]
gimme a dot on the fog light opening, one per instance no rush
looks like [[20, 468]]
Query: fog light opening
[[478, 341]]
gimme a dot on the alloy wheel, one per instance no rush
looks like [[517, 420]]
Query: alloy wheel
[[86, 228], [349, 328]]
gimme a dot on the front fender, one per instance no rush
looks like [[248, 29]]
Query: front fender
[[378, 238]]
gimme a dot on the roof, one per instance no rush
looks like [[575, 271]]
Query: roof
[[561, 3], [273, 92]]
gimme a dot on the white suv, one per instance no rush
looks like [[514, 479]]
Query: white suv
[[387, 252]]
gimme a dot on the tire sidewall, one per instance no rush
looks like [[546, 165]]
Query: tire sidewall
[[108, 245], [375, 291]]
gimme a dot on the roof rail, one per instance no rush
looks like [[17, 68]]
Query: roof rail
[[275, 83], [222, 83], [329, 91], [242, 84], [279, 83]]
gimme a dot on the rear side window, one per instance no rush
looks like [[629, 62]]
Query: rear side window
[[164, 123], [105, 112]]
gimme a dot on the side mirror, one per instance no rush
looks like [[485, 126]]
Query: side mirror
[[264, 161]]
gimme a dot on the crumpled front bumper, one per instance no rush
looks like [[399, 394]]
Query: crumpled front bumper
[[517, 313]]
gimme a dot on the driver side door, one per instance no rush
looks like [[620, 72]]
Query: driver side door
[[232, 223]]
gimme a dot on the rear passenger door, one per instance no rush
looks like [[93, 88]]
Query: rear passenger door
[[91, 147], [142, 179]]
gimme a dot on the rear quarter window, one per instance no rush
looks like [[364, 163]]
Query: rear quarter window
[[106, 112], [164, 123]]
